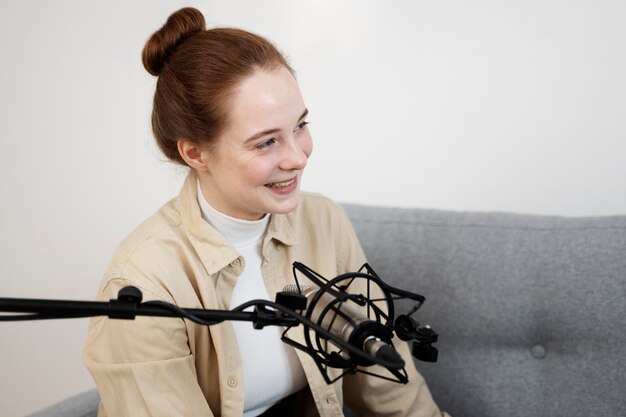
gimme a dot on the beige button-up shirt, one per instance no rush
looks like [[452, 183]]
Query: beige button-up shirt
[[173, 367]]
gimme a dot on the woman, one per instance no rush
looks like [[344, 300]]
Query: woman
[[227, 105]]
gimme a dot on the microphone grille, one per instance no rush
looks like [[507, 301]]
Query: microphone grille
[[294, 288]]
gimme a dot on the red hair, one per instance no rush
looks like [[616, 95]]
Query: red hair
[[197, 70]]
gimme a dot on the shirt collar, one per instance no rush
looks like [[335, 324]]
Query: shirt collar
[[214, 250], [281, 228]]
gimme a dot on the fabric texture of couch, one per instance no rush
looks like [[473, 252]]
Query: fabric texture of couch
[[530, 310]]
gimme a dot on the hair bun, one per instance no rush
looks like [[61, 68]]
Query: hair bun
[[179, 26]]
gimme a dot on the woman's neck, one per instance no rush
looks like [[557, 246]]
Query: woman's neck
[[238, 232]]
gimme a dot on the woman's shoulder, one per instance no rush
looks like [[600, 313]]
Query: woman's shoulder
[[320, 211], [161, 225], [149, 250], [325, 226], [315, 202]]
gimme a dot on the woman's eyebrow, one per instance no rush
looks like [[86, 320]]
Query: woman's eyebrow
[[261, 134], [272, 131]]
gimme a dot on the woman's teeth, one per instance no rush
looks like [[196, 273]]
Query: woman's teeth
[[280, 184]]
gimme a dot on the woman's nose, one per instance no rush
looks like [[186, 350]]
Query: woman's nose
[[295, 156]]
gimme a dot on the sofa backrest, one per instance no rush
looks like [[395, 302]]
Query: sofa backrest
[[530, 309]]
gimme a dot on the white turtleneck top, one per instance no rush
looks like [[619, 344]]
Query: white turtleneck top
[[271, 369]]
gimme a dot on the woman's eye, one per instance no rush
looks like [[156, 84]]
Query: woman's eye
[[266, 144], [302, 125]]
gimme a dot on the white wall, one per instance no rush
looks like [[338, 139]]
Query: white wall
[[480, 105]]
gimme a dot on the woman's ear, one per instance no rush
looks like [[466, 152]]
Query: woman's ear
[[194, 154]]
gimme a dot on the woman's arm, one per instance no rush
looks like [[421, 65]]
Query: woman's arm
[[143, 367]]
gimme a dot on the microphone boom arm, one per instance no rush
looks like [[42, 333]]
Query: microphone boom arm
[[129, 305]]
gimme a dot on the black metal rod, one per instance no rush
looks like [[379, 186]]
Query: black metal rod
[[113, 309]]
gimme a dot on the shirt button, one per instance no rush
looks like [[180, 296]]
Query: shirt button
[[232, 382], [538, 352]]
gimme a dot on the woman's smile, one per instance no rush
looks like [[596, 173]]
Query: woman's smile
[[284, 186]]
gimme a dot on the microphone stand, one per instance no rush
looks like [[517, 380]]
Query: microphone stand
[[128, 305], [289, 310]]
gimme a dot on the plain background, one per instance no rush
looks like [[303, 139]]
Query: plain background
[[482, 105]]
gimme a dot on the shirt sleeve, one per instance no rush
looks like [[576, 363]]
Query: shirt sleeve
[[143, 367], [372, 396]]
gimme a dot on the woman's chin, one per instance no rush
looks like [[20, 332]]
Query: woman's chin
[[286, 207]]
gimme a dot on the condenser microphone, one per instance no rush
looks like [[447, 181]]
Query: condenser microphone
[[338, 314]]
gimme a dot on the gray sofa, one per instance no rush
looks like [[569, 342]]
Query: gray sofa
[[530, 309]]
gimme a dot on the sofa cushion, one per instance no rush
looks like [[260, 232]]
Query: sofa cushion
[[530, 309], [80, 405]]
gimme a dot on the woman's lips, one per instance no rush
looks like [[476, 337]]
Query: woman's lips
[[283, 187]]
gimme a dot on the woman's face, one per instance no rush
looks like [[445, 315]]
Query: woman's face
[[256, 164]]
